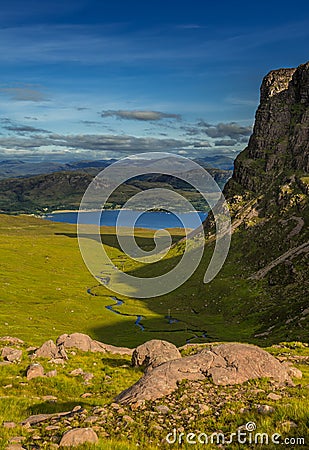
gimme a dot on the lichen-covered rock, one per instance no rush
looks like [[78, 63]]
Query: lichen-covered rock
[[225, 364], [153, 353]]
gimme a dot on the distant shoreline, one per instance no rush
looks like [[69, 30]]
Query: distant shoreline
[[62, 211]]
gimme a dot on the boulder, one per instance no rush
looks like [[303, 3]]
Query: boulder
[[50, 350], [51, 373], [78, 436], [154, 353], [11, 340], [226, 364], [76, 340], [97, 346], [11, 354], [85, 343], [35, 370], [242, 362]]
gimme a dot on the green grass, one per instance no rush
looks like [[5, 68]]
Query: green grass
[[44, 286], [229, 406]]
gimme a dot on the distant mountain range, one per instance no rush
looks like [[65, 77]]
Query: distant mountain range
[[13, 168], [63, 189]]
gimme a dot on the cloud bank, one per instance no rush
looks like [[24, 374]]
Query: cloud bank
[[142, 115]]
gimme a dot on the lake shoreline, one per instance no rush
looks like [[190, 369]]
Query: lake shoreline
[[138, 219]]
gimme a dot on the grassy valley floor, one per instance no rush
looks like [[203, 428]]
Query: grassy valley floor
[[47, 291]]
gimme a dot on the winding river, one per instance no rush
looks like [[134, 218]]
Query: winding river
[[117, 302]]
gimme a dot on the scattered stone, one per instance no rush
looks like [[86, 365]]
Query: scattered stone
[[98, 409], [154, 353], [115, 405], [77, 372], [244, 410], [157, 427], [294, 372], [92, 419], [257, 391], [273, 396], [9, 424], [49, 398], [52, 428], [203, 408], [51, 373], [86, 395], [57, 361], [127, 418], [162, 409], [31, 349], [87, 376], [265, 409], [35, 370], [17, 439], [15, 447], [77, 408], [11, 354], [288, 424], [38, 418], [226, 364], [79, 436], [11, 340]]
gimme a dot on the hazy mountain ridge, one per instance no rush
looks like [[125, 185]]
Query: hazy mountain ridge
[[13, 168], [64, 189]]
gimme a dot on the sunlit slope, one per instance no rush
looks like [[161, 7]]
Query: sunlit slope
[[47, 290], [44, 285]]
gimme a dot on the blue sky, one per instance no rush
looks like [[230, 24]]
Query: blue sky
[[101, 79]]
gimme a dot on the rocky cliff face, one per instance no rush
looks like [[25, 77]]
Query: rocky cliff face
[[279, 145], [268, 199]]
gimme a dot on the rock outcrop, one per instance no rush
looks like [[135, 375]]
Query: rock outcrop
[[154, 353], [50, 350], [225, 364], [80, 341], [85, 343], [280, 140], [268, 201]]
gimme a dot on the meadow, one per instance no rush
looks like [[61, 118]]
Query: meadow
[[47, 290]]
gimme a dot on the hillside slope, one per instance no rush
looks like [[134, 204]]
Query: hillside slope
[[64, 189]]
